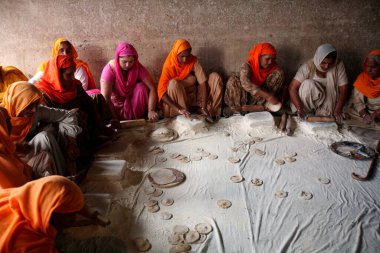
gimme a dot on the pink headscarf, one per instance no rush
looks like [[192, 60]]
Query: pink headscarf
[[125, 87]]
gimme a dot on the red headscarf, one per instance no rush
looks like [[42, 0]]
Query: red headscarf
[[50, 82], [13, 171], [78, 63], [365, 84], [173, 69], [26, 211], [259, 74]]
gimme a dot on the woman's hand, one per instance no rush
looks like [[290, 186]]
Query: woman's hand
[[152, 116], [184, 112]]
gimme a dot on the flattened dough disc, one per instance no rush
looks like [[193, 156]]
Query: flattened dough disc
[[166, 177]]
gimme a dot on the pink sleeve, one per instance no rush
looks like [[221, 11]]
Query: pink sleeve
[[108, 75]]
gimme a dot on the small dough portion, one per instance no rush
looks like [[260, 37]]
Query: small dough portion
[[149, 190], [213, 157], [233, 159], [150, 202], [161, 159], [176, 238], [279, 161], [223, 203], [236, 179], [201, 239], [180, 229], [257, 182], [174, 155], [324, 180], [196, 157], [157, 193], [192, 236], [290, 159], [167, 202], [141, 244], [281, 194], [180, 247], [166, 216], [305, 195], [154, 209], [203, 228], [259, 152]]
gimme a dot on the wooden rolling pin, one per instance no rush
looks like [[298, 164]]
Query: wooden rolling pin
[[320, 119], [132, 123]]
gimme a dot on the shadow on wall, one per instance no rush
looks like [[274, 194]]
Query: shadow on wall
[[289, 58], [352, 62], [212, 59]]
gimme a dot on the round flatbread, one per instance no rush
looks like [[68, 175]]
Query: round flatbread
[[192, 236], [279, 161], [166, 216], [281, 194], [257, 182], [141, 244], [236, 179], [324, 180], [164, 134], [180, 229], [305, 195], [233, 159], [223, 203], [150, 202], [203, 228], [154, 209], [167, 202], [162, 176]]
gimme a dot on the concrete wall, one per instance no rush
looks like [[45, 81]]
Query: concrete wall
[[221, 32]]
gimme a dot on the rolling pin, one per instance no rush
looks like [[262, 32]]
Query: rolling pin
[[320, 119], [132, 123]]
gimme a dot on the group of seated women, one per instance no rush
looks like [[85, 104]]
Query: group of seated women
[[56, 115], [50, 120]]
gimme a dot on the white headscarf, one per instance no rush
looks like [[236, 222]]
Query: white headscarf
[[321, 53]]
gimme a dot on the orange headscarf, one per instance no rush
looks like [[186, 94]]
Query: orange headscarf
[[173, 69], [9, 75], [50, 82], [78, 63], [365, 84], [13, 172], [26, 211], [18, 97], [259, 74]]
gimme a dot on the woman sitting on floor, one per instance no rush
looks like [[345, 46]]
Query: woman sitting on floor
[[128, 87], [183, 84], [261, 80], [14, 172], [34, 130], [82, 72], [33, 214], [320, 86], [61, 90], [366, 95], [9, 75]]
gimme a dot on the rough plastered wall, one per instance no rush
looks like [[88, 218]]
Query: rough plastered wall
[[221, 32]]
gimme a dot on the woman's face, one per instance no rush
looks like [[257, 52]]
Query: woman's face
[[373, 68], [327, 63], [65, 49], [29, 111], [184, 56], [67, 76], [126, 62], [266, 60]]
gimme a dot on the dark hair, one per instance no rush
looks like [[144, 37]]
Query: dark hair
[[331, 55]]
